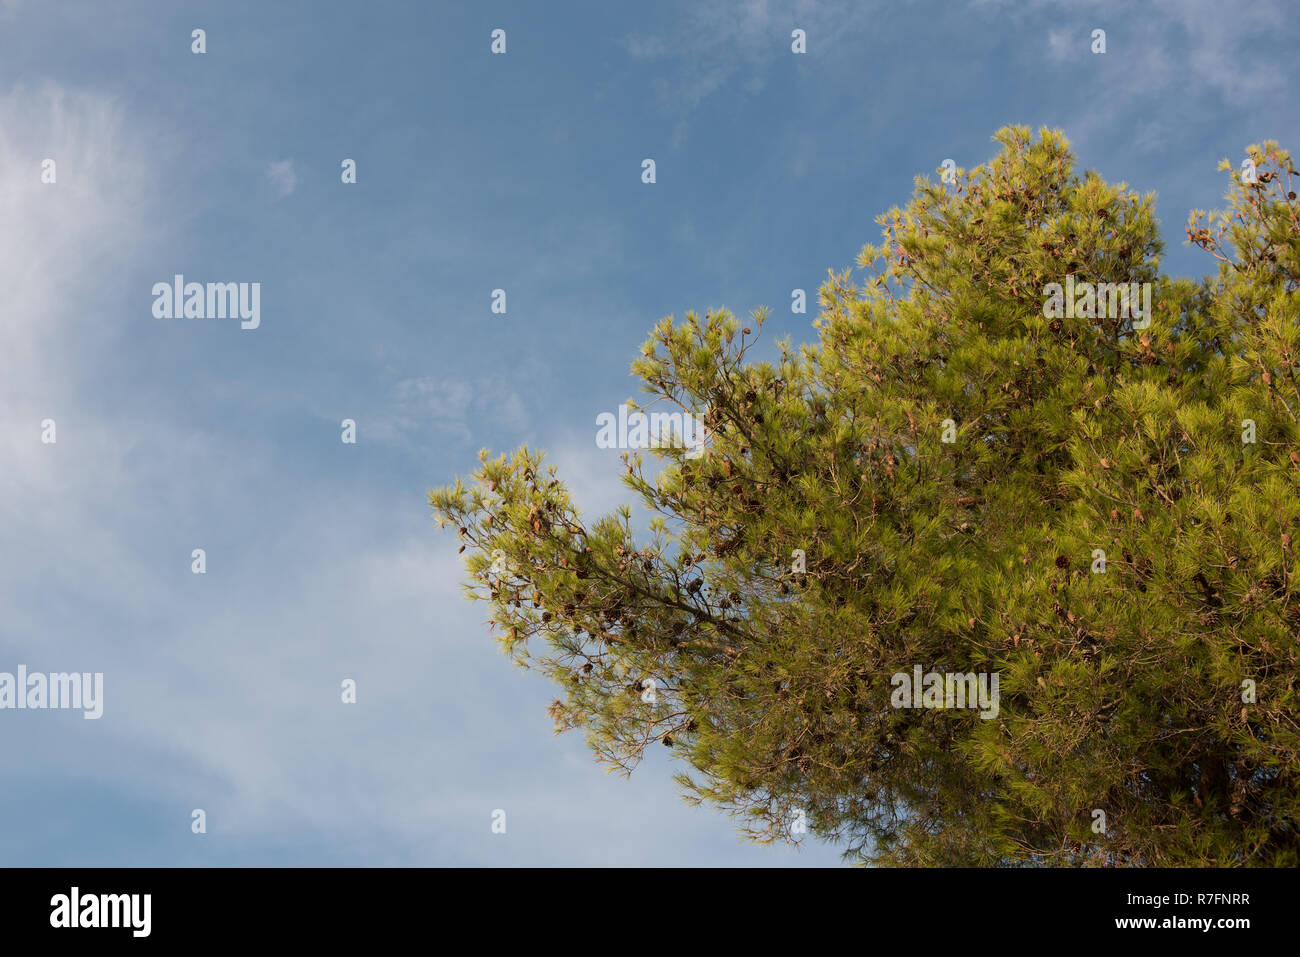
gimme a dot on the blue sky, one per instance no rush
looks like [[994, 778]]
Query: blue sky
[[474, 172]]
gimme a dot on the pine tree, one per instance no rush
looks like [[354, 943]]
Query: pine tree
[[962, 477]]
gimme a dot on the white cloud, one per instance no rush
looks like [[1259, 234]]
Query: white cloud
[[282, 177], [60, 241], [1060, 44], [592, 475]]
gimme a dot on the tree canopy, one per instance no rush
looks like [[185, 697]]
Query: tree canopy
[[1096, 508]]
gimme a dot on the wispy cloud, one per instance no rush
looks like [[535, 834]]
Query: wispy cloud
[[421, 408], [721, 41], [1165, 46]]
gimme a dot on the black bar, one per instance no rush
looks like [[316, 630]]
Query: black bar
[[334, 906]]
